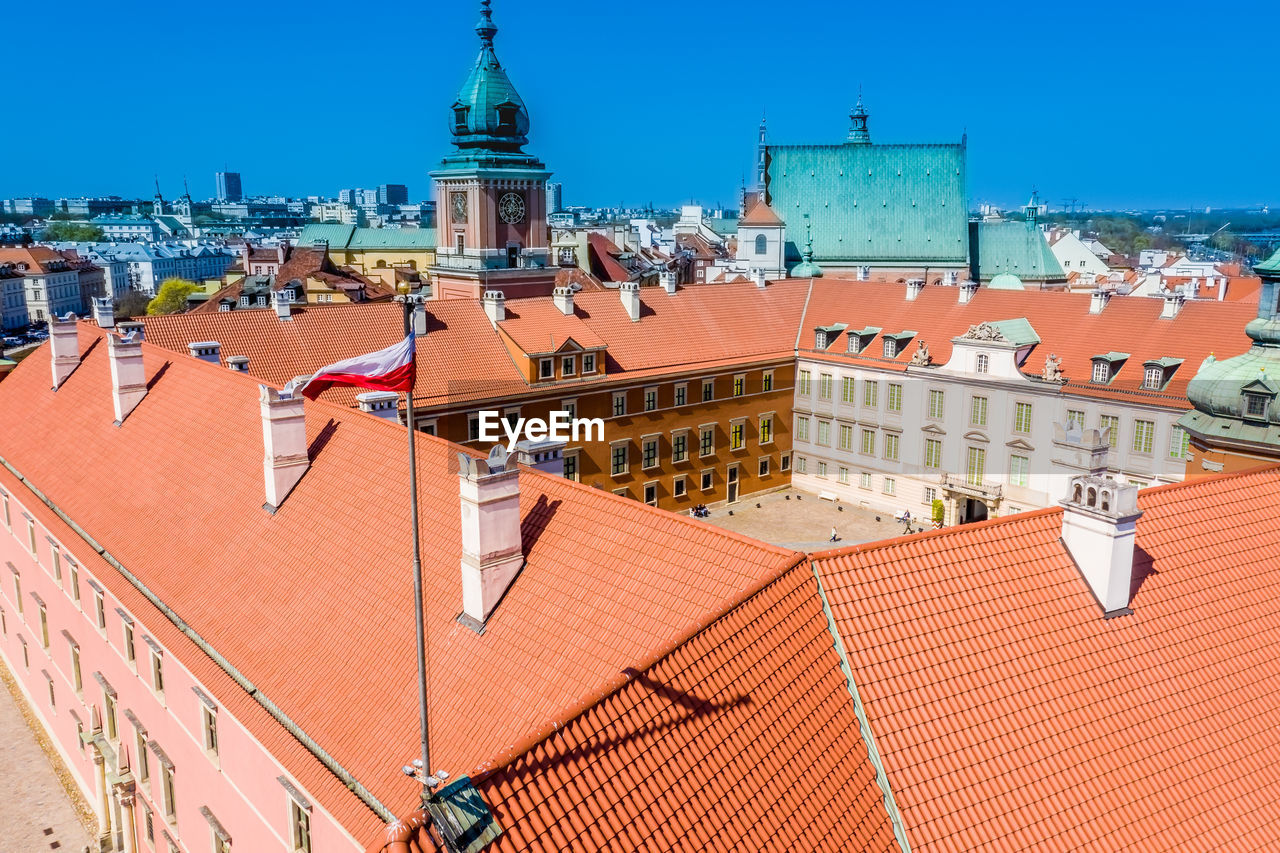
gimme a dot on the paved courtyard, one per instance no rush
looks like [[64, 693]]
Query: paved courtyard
[[801, 521], [35, 812]]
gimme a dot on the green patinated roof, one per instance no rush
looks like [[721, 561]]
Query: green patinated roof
[[1271, 264], [724, 227], [1166, 362], [351, 237], [1111, 356], [486, 90], [872, 203], [1006, 281], [337, 236], [1018, 331], [1019, 248]]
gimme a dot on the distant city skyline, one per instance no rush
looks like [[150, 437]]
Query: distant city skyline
[[1104, 106]]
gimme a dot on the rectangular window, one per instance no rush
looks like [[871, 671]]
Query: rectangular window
[[1019, 469], [100, 609], [473, 427], [737, 435], [651, 494], [129, 653], [895, 397], [978, 411], [802, 465], [1144, 434], [1022, 418], [57, 565], [1111, 422], [76, 680], [649, 453], [786, 462], [1101, 371], [109, 714], [1153, 378], [569, 407], [846, 389], [1179, 443], [891, 446], [764, 467], [706, 441], [932, 453], [618, 461], [870, 394], [890, 486], [170, 793], [739, 385], [766, 429], [682, 394], [650, 399], [619, 403], [568, 365], [824, 386], [843, 475], [571, 466], [17, 591], [708, 390], [822, 469], [890, 347], [157, 672], [8, 520], [869, 442], [73, 578], [679, 446], [1075, 416], [802, 428], [31, 536], [546, 369], [802, 383], [864, 480], [708, 480], [44, 626], [846, 437], [679, 487], [976, 470], [149, 819], [824, 433], [930, 494], [588, 362], [766, 381], [936, 401]]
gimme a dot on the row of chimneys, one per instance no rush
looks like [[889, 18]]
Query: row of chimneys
[[1098, 298], [489, 491]]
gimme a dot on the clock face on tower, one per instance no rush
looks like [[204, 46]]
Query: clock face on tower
[[511, 208], [458, 201]]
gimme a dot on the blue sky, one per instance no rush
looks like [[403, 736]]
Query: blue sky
[[1137, 104]]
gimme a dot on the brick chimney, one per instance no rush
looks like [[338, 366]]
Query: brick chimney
[[967, 290], [210, 351], [489, 490], [384, 404], [103, 314], [629, 292], [562, 298], [495, 306], [64, 345], [284, 436], [128, 377], [280, 302], [1099, 523], [238, 363]]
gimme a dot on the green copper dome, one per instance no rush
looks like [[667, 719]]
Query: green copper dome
[[1006, 281], [489, 114], [807, 268]]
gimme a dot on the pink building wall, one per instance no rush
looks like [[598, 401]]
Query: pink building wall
[[239, 786]]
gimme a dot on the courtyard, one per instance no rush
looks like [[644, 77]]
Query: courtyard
[[800, 520]]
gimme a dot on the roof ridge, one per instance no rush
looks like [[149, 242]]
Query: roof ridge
[[1233, 475], [953, 530]]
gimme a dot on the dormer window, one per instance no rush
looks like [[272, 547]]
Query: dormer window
[[460, 118], [1101, 371], [1153, 378], [855, 343], [1106, 365], [890, 347], [1255, 406], [983, 363], [546, 369], [507, 116], [244, 301], [820, 339]]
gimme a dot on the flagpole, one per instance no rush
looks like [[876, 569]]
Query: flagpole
[[417, 567]]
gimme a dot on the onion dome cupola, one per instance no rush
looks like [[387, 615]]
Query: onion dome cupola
[[488, 114], [807, 268], [1237, 400]]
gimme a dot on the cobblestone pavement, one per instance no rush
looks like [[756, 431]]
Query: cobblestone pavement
[[801, 521], [35, 812]]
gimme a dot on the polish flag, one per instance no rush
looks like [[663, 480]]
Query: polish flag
[[391, 369]]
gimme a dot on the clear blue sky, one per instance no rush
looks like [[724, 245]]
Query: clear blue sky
[[1140, 104]]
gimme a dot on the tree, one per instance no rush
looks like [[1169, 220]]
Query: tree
[[132, 304], [77, 232], [171, 298], [938, 510]]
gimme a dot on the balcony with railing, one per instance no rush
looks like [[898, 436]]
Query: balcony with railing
[[972, 487]]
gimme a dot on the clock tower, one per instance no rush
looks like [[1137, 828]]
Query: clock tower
[[491, 197]]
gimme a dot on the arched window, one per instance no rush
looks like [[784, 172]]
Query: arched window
[[762, 245], [1106, 501], [381, 264], [1093, 496], [1076, 497]]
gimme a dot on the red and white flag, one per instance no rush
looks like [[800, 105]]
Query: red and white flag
[[391, 369]]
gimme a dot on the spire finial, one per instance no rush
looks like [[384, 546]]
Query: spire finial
[[858, 132], [486, 28]]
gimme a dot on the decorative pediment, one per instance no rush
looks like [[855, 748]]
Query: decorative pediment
[[1020, 444], [974, 435], [984, 332], [934, 429]]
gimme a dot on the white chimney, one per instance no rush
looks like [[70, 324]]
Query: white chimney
[[1098, 300], [667, 278], [491, 544], [133, 327], [629, 292], [210, 351], [1099, 523], [914, 286], [238, 363], [757, 275], [284, 436], [64, 345], [280, 302], [419, 319], [495, 306], [562, 298], [128, 377], [967, 290], [384, 404], [1173, 303], [103, 314]]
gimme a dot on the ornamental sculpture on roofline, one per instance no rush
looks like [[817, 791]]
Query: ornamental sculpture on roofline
[[921, 357], [984, 332], [1053, 369]]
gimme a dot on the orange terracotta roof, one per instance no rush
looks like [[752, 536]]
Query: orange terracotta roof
[[1012, 716], [604, 258], [537, 326], [1062, 320], [742, 738], [591, 601], [761, 214], [34, 256]]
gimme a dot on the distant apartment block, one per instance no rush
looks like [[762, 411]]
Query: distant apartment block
[[228, 186], [393, 194]]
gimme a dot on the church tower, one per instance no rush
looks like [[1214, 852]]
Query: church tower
[[157, 203], [491, 197], [858, 132]]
